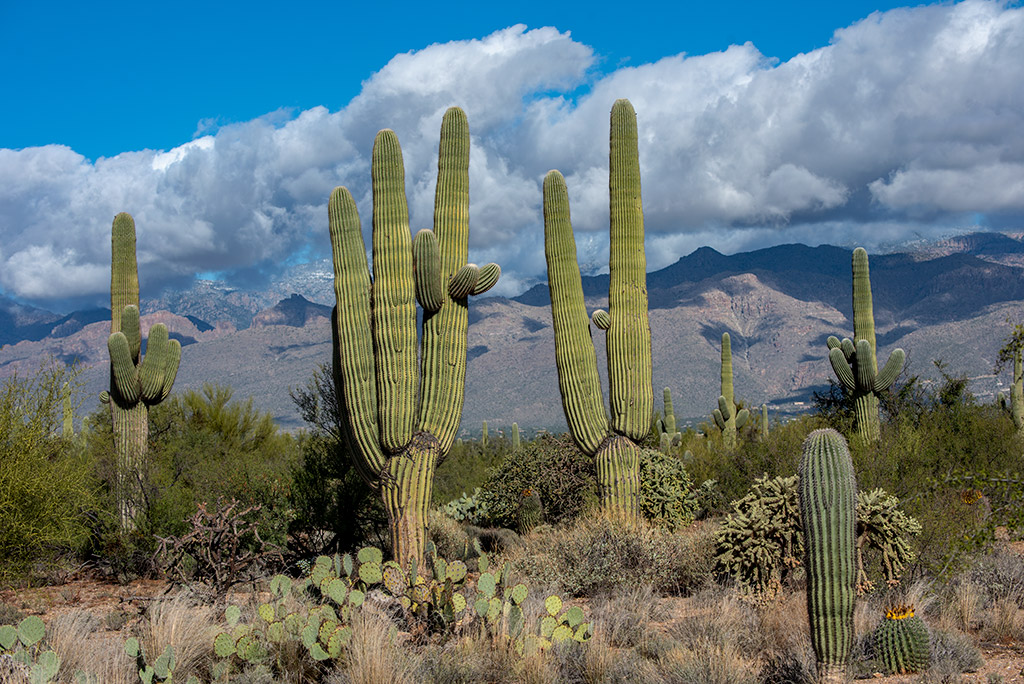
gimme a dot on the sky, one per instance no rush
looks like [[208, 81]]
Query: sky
[[223, 130]]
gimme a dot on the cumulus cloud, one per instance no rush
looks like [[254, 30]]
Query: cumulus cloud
[[907, 124]]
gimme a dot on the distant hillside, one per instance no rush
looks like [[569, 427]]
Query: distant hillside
[[949, 301]]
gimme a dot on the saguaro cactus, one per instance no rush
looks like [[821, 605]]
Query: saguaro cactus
[[764, 421], [136, 383], [612, 444], [727, 418], [854, 361], [828, 509], [515, 436], [1011, 351], [397, 440], [668, 435]]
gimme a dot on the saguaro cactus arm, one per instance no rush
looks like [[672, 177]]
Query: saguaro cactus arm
[[574, 352]]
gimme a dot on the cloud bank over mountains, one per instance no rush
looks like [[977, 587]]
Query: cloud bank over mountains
[[909, 123]]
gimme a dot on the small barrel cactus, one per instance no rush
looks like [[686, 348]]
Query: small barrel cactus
[[901, 641]]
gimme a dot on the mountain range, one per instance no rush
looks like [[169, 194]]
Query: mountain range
[[948, 301]]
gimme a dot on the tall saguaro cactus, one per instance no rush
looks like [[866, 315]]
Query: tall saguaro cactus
[[828, 509], [613, 445], [1011, 351], [136, 383], [395, 439], [855, 362], [668, 435], [727, 418]]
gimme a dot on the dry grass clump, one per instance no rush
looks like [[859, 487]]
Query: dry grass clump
[[77, 638], [186, 625], [373, 657], [596, 554]]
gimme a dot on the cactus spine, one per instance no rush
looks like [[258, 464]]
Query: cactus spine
[[828, 508], [136, 383], [613, 445], [396, 446], [668, 435], [855, 362], [727, 418], [901, 641]]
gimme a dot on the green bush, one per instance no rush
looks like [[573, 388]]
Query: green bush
[[467, 466], [554, 467], [45, 488]]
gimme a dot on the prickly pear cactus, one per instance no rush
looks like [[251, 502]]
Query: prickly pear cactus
[[828, 508], [612, 444], [901, 641]]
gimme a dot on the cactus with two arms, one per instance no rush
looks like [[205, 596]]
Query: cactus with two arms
[[854, 361], [613, 444], [396, 439]]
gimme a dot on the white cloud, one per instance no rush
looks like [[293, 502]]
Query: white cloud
[[908, 123]]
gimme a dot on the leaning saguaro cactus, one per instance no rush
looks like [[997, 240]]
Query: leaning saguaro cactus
[[727, 418], [136, 383], [396, 434], [854, 361], [828, 509], [613, 445]]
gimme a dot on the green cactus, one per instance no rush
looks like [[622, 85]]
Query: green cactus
[[1011, 351], [483, 436], [136, 383], [727, 418], [515, 436], [613, 445], [828, 508], [901, 641], [764, 421], [530, 512], [394, 449], [855, 362], [669, 436], [23, 644]]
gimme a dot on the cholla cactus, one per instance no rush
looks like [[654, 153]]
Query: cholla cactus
[[901, 641]]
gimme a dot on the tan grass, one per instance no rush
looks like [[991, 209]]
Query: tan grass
[[964, 610], [79, 639], [372, 657], [187, 626]]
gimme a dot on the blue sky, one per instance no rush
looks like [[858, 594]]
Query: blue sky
[[223, 129]]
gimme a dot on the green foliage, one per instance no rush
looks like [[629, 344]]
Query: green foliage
[[160, 670], [335, 510], [45, 485], [467, 466], [203, 446], [555, 468], [901, 641], [666, 491], [468, 508], [761, 541]]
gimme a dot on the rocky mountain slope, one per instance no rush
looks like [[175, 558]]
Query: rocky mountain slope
[[949, 302]]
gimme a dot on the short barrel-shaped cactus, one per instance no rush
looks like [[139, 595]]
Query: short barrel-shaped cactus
[[901, 641]]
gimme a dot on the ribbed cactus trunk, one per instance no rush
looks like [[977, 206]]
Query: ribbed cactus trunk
[[515, 436], [854, 361], [764, 421], [668, 435], [135, 382], [396, 440], [726, 417], [828, 509], [612, 444], [1017, 392]]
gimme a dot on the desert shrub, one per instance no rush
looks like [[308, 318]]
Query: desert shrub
[[45, 488], [596, 554], [334, 508], [665, 490], [466, 466], [554, 467]]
